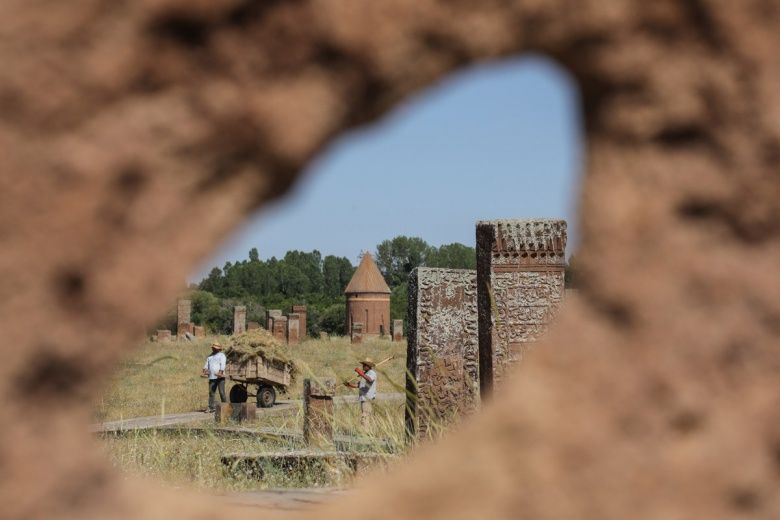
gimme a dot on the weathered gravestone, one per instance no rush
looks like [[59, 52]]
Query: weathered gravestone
[[293, 329], [301, 311], [163, 336], [398, 330], [198, 331], [183, 317], [520, 272], [356, 335], [239, 319], [279, 330], [270, 315], [252, 325], [318, 412], [442, 357]]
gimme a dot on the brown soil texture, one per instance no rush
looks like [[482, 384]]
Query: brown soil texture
[[134, 135]]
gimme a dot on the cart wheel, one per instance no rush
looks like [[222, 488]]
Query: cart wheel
[[238, 394], [266, 396]]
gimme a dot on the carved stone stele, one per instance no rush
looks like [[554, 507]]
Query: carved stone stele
[[442, 349], [520, 285]]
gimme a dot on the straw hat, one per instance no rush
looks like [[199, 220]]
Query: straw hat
[[216, 345], [368, 361]]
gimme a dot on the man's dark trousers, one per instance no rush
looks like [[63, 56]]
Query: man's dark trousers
[[214, 384]]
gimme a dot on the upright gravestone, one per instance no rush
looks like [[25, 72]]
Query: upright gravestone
[[183, 317], [271, 314], [442, 357], [293, 329], [252, 325], [239, 319], [356, 335], [279, 329], [318, 412], [301, 311], [398, 330], [520, 272]]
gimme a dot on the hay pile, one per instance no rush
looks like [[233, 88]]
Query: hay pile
[[260, 343]]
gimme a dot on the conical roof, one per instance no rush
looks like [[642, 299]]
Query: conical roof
[[367, 278]]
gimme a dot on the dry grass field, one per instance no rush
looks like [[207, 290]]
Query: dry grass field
[[163, 378]]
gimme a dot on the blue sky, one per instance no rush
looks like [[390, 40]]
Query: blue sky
[[500, 140]]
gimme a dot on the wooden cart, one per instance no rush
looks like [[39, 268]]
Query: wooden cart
[[269, 376]]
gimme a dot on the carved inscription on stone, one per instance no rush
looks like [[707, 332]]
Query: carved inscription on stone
[[442, 350], [520, 280]]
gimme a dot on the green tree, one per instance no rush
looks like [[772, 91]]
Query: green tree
[[452, 256], [398, 302], [333, 319], [397, 258], [336, 273]]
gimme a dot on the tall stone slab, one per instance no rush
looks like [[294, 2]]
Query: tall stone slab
[[398, 330], [183, 317], [318, 412], [239, 319], [293, 329], [270, 315], [302, 312], [442, 357], [520, 285], [356, 335], [279, 328]]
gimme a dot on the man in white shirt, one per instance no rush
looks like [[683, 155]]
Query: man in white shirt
[[214, 369], [366, 390]]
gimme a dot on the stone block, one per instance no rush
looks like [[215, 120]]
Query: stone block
[[183, 329], [293, 329], [198, 331], [520, 285], [239, 319], [324, 336], [442, 349], [163, 336], [356, 335], [318, 412], [279, 328], [302, 312], [236, 412], [398, 330], [252, 325]]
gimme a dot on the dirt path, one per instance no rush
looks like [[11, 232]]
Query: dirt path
[[155, 421]]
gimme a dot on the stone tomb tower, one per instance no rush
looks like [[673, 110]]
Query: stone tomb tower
[[368, 300]]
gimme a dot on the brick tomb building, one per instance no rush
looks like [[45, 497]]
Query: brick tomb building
[[368, 300]]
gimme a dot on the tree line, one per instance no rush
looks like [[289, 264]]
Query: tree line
[[308, 278]]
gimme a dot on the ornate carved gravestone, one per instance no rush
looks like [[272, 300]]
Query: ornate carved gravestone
[[442, 350], [239, 319], [520, 270]]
